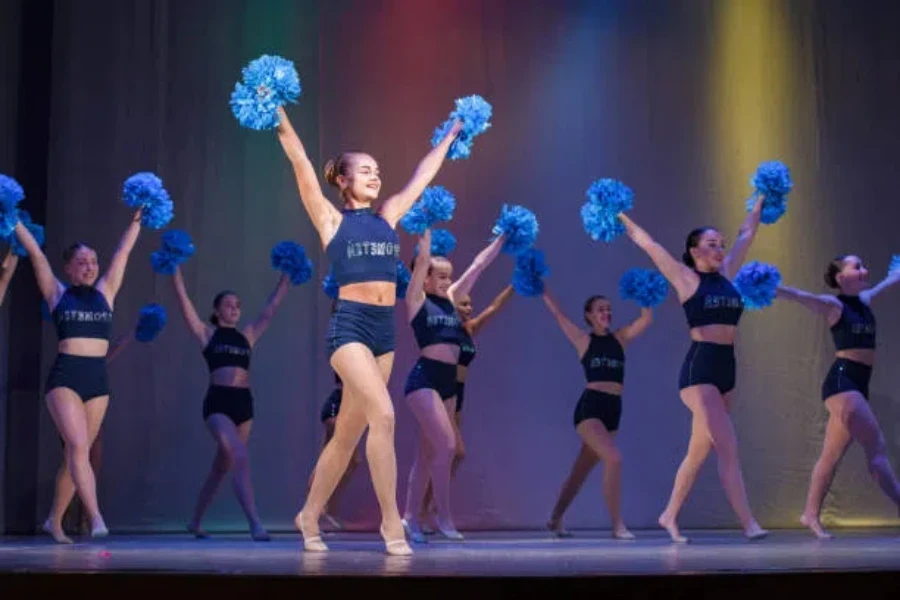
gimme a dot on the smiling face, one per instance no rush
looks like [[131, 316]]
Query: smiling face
[[598, 313], [81, 265], [707, 250], [464, 308], [359, 179], [851, 275], [440, 276]]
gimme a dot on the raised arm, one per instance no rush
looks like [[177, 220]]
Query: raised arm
[[745, 237], [111, 282], [325, 217], [682, 278], [399, 204], [824, 304], [576, 335], [254, 330], [463, 285], [888, 282], [415, 291], [50, 286], [6, 272], [200, 329], [636, 327], [116, 348], [476, 323]]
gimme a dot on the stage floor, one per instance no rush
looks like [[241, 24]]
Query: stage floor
[[482, 554]]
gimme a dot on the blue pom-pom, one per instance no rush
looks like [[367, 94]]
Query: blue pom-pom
[[895, 264], [37, 232], [177, 247], [403, 277], [150, 323], [290, 257], [647, 287], [11, 193], [475, 114], [268, 82], [436, 204], [442, 243], [330, 285], [599, 215], [529, 272], [757, 283], [773, 180], [520, 227], [145, 190]]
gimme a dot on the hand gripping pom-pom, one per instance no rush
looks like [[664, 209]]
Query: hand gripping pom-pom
[[475, 113], [146, 191], [599, 215], [773, 180], [529, 273], [646, 287], [330, 284], [757, 283], [37, 232], [895, 264], [268, 82], [520, 227], [150, 323], [403, 277], [290, 258]]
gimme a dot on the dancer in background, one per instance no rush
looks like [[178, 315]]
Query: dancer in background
[[599, 410], [77, 389], [845, 390], [431, 386], [363, 247], [713, 308], [228, 406], [7, 269], [471, 327]]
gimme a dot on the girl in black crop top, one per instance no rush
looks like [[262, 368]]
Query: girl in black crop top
[[845, 389], [602, 355], [431, 386], [228, 406], [361, 332], [77, 387], [703, 283]]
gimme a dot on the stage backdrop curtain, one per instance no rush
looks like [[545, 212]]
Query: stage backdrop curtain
[[681, 100]]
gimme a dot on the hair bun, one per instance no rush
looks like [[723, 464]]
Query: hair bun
[[330, 172]]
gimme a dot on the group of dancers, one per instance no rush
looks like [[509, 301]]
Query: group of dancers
[[363, 248]]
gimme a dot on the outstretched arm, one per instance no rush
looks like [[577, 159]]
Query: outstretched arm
[[115, 349], [325, 217], [399, 204], [51, 288], [683, 279], [6, 273], [476, 323], [194, 323], [745, 237], [888, 282], [576, 336], [636, 327], [464, 284], [110, 283], [415, 291], [254, 330], [824, 304]]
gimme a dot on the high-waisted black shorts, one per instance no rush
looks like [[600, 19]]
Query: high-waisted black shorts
[[433, 375], [84, 375], [607, 408], [236, 403], [368, 324], [847, 375], [708, 363]]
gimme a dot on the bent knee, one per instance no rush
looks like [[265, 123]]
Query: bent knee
[[613, 457], [381, 421]]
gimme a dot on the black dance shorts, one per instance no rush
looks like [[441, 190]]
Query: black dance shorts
[[432, 375], [236, 403], [368, 324], [607, 408], [709, 363], [847, 375], [84, 375], [332, 405]]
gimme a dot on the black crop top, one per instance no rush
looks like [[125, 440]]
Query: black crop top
[[227, 347], [604, 359], [466, 349], [364, 248], [856, 327], [437, 323], [716, 302], [82, 312]]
